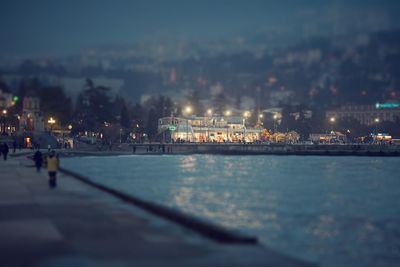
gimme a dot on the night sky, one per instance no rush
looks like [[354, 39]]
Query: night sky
[[62, 27]]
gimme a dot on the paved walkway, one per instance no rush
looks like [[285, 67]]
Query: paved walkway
[[76, 225]]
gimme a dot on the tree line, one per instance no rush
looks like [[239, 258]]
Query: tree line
[[97, 110]]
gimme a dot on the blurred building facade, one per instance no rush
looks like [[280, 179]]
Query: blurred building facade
[[31, 119], [5, 99], [208, 129], [367, 114]]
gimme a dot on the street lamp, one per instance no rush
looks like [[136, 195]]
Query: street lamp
[[376, 120], [260, 116], [332, 121], [246, 115], [188, 111], [275, 117], [209, 116], [227, 113], [4, 113], [51, 121]]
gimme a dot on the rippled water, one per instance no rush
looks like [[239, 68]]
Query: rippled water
[[337, 211]]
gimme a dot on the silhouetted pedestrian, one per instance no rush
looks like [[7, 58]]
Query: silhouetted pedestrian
[[38, 158], [5, 150], [14, 146], [52, 168]]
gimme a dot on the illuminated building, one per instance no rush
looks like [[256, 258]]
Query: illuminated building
[[367, 114], [5, 100], [208, 129], [31, 119]]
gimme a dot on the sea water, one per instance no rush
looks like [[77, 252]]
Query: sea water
[[336, 211]]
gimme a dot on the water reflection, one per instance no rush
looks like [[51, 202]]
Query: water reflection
[[339, 211], [188, 164]]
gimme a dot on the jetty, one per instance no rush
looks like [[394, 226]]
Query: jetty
[[77, 224]]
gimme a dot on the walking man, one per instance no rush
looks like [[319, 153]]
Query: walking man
[[38, 160], [5, 151], [14, 146], [52, 168]]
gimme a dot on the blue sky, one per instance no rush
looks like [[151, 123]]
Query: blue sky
[[61, 26]]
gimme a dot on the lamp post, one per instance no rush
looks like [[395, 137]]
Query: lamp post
[[51, 121], [246, 115], [332, 120], [376, 120], [188, 111], [260, 116], [227, 113], [275, 117], [209, 116], [4, 114]]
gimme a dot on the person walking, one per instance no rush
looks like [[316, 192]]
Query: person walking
[[5, 150], [38, 158], [14, 146], [52, 168]]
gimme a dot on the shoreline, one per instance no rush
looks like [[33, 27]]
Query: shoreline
[[362, 150], [376, 150], [43, 226]]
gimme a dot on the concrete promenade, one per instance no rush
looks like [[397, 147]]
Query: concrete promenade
[[77, 225]]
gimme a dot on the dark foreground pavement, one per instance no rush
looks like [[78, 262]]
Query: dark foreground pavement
[[76, 225]]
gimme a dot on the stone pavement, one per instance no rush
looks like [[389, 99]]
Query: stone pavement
[[76, 225]]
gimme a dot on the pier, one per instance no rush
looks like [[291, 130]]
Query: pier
[[79, 225]]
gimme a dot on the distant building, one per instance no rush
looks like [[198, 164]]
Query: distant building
[[5, 99], [332, 137], [208, 129], [31, 119], [367, 114], [172, 76]]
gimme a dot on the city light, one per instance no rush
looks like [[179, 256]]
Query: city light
[[377, 120], [51, 121], [70, 127], [209, 112], [246, 114], [261, 116], [275, 117], [228, 113], [188, 109], [4, 111], [332, 119]]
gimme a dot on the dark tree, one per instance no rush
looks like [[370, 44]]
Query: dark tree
[[94, 107], [194, 102], [221, 103], [125, 118], [54, 103], [156, 108]]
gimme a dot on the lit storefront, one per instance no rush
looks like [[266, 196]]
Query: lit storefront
[[207, 129]]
